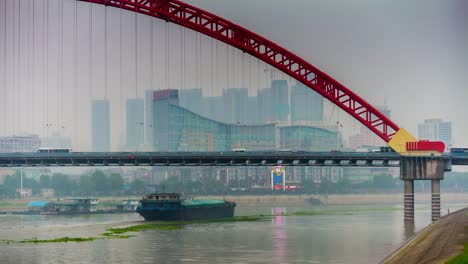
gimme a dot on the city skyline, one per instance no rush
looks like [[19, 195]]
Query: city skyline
[[55, 95]]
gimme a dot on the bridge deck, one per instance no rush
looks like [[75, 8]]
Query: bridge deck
[[265, 158]]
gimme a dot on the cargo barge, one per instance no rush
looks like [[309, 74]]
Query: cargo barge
[[76, 206], [170, 207]]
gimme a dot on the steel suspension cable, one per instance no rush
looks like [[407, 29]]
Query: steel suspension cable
[[181, 58], [44, 67], [136, 55], [166, 47], [90, 61], [243, 69], [233, 68], [13, 64], [28, 86], [212, 69], [61, 67], [105, 73], [4, 68], [75, 68], [33, 85], [196, 60], [227, 66], [48, 124], [200, 36], [151, 56], [217, 68], [18, 82], [120, 76]]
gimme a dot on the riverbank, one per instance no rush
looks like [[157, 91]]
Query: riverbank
[[438, 243], [296, 199], [339, 199]]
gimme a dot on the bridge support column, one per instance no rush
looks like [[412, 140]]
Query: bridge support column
[[421, 168], [435, 199], [408, 200]]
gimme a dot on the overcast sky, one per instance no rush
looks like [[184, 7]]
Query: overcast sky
[[410, 55]]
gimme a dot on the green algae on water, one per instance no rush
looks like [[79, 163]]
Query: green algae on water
[[142, 227], [111, 235], [58, 240], [178, 224]]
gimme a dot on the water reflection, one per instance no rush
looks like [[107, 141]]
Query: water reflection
[[343, 234], [279, 237]]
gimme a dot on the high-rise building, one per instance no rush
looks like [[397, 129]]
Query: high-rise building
[[162, 101], [235, 104], [306, 104], [192, 99], [135, 123], [149, 118], [100, 125], [279, 100], [23, 143], [179, 129], [309, 138], [264, 105], [436, 129]]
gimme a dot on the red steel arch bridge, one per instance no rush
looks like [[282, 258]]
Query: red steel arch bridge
[[223, 30], [418, 160]]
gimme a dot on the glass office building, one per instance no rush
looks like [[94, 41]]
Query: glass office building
[[309, 138], [178, 129]]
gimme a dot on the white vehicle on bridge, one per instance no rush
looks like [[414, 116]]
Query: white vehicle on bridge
[[54, 150]]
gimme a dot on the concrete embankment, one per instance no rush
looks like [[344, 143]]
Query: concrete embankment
[[437, 243]]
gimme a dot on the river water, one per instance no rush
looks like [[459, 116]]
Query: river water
[[342, 234]]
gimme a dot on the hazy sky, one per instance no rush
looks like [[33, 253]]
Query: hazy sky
[[410, 55]]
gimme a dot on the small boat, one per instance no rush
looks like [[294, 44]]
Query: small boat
[[170, 207]]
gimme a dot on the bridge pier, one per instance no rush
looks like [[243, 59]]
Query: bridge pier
[[421, 168], [408, 200], [435, 199]]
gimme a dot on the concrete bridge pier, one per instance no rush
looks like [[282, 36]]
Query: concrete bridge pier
[[408, 200], [435, 199], [421, 168]]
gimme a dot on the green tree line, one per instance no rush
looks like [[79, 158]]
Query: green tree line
[[96, 183]]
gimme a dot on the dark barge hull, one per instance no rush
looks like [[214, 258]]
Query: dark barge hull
[[189, 213]]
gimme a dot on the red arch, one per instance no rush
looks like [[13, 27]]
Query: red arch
[[221, 29]]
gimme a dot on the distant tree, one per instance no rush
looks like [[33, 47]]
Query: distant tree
[[86, 185], [116, 182], [44, 181], [3, 191], [32, 184], [384, 181], [138, 186], [61, 184], [100, 182], [13, 182], [343, 185], [172, 184], [211, 185], [10, 185], [308, 185]]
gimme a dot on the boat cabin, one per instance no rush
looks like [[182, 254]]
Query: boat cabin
[[163, 197]]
